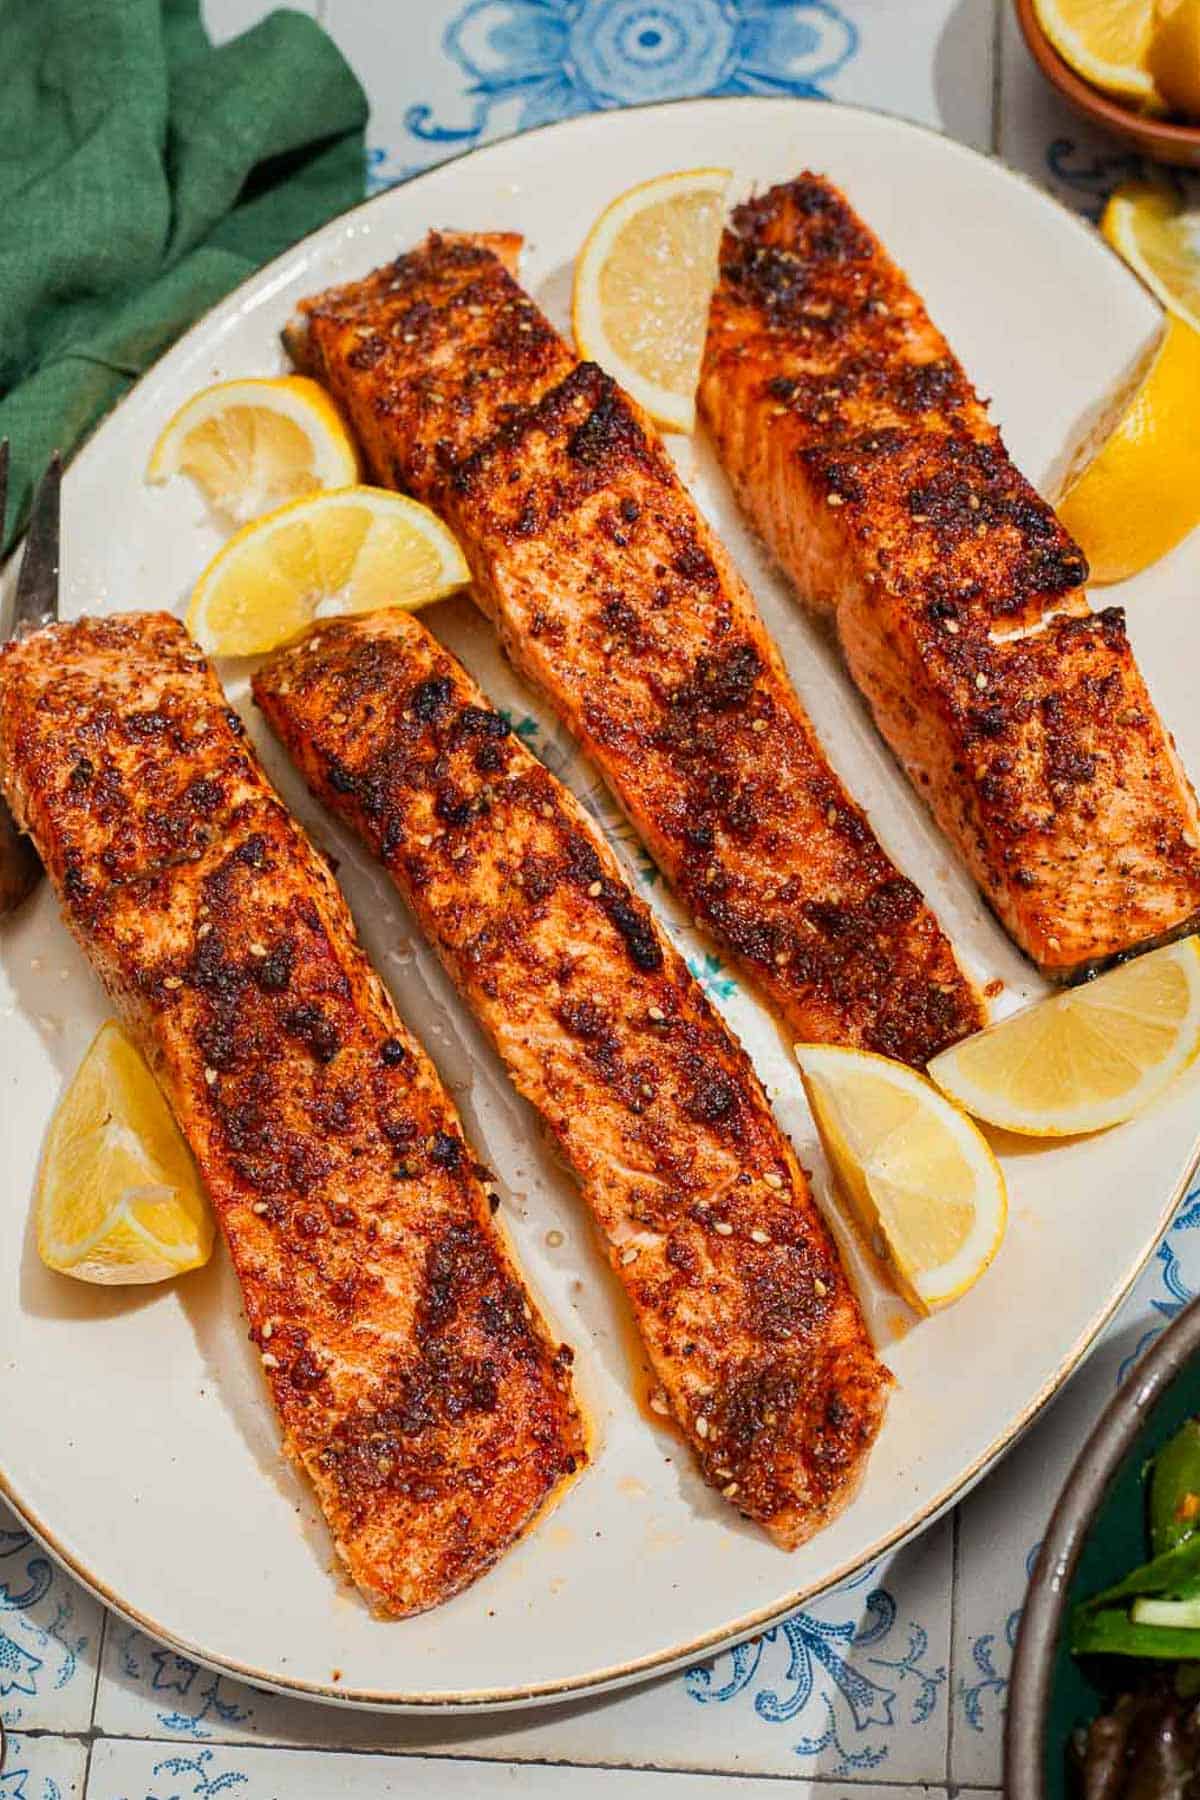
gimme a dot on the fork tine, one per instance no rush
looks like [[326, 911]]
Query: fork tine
[[36, 601]]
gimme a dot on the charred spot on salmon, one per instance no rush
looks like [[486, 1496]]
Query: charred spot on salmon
[[203, 796], [633, 923], [458, 1266], [310, 1024], [720, 683], [445, 1150], [341, 779], [696, 566], [451, 806], [480, 721], [431, 698], [713, 1099], [273, 972]]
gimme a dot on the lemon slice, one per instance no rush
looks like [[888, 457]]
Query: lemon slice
[[118, 1198], [252, 445], [1174, 56], [1105, 41], [350, 551], [1147, 224], [1139, 495], [920, 1177], [1086, 1058], [643, 282]]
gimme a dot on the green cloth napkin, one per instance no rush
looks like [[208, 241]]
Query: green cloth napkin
[[143, 174]]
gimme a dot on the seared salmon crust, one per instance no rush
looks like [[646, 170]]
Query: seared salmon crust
[[862, 454], [613, 595], [416, 1385], [751, 1329]]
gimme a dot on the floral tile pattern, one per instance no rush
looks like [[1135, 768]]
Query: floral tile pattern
[[492, 67], [553, 59], [856, 1683], [132, 1770], [43, 1768], [49, 1637]]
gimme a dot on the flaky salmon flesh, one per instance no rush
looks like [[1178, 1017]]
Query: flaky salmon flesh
[[862, 454], [753, 1335], [416, 1384], [613, 596]]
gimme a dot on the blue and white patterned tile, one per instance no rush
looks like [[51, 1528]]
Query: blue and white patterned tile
[[854, 1685], [132, 1770], [49, 1638], [928, 60], [1000, 1526], [475, 70], [43, 1768]]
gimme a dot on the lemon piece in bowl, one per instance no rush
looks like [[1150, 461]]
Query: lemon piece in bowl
[[1107, 42], [919, 1175], [255, 444], [353, 550], [1174, 56], [1139, 495], [642, 288], [1088, 1057], [119, 1200]]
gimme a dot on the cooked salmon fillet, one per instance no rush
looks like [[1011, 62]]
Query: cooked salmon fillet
[[862, 454], [415, 1383], [614, 597], [750, 1327]]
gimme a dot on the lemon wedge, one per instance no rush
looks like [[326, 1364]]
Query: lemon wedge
[[1139, 495], [919, 1175], [119, 1200], [1087, 1058], [1159, 237], [1105, 41], [252, 445], [643, 282], [1174, 56], [350, 551]]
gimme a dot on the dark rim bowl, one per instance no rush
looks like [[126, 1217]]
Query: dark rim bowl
[[1097, 1468], [1164, 140]]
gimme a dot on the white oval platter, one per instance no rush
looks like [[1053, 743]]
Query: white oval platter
[[135, 1438]]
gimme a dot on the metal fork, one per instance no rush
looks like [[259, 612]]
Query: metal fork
[[32, 604]]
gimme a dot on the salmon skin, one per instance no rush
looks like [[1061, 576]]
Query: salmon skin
[[751, 1329], [861, 453], [614, 597], [415, 1383]]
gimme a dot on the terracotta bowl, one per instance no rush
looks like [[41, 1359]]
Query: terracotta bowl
[[1164, 140], [1096, 1533]]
